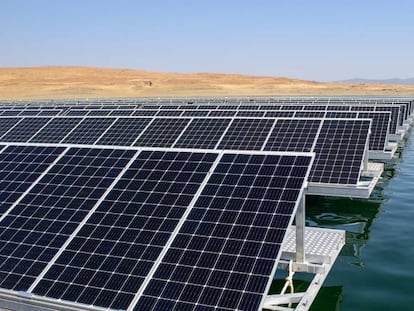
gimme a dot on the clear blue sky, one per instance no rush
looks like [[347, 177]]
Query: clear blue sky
[[316, 40]]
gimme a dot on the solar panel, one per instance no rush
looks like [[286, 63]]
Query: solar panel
[[162, 132], [6, 124], [293, 135], [203, 133], [226, 252], [246, 134], [24, 130], [309, 114], [169, 113], [97, 113], [29, 113], [379, 128], [195, 113], [243, 113], [222, 113], [56, 130], [49, 113], [19, 167], [339, 151], [124, 131], [89, 130], [35, 229], [279, 114], [108, 260], [11, 113], [76, 113], [145, 113], [123, 112], [395, 111]]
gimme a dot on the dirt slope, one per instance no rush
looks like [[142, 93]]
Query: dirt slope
[[89, 82]]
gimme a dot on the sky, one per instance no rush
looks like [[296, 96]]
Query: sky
[[306, 39]]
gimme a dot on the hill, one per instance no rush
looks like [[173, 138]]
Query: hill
[[89, 82]]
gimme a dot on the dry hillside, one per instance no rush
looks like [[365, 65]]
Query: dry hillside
[[88, 82]]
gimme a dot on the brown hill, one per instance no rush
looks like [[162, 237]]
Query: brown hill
[[89, 82]]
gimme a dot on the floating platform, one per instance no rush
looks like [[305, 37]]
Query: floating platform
[[322, 247], [386, 155], [369, 178]]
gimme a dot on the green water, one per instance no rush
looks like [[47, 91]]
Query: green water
[[375, 270]]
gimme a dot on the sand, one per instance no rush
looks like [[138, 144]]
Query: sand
[[89, 82]]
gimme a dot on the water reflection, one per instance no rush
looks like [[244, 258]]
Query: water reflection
[[355, 216], [328, 298]]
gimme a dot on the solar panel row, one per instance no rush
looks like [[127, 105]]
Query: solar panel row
[[226, 134], [125, 218]]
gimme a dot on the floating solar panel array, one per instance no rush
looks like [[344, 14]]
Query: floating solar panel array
[[169, 205], [98, 226], [344, 137]]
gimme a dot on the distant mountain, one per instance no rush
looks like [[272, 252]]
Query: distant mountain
[[409, 81]]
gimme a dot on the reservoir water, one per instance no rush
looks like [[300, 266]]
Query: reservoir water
[[375, 270]]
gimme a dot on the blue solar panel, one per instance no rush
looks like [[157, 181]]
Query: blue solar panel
[[124, 131], [24, 130], [37, 227], [246, 134], [89, 130], [339, 151], [293, 135], [162, 132], [203, 133], [226, 252], [112, 254], [6, 124], [56, 130], [19, 167]]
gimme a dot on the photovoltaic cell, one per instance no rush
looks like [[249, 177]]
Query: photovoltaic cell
[[56, 130], [162, 132], [339, 151], [24, 130], [124, 131], [246, 134], [35, 229], [293, 135], [19, 167], [203, 133], [89, 130], [113, 252], [225, 254]]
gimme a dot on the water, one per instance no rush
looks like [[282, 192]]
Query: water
[[375, 268]]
